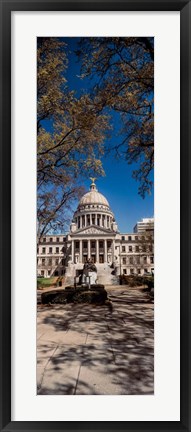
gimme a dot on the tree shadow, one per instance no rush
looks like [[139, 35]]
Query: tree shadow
[[118, 353]]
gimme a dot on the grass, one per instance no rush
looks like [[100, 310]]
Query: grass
[[46, 282]]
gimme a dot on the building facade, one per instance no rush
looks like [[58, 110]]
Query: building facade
[[94, 235], [146, 225]]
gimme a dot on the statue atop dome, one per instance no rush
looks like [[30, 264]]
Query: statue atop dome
[[93, 185], [93, 179]]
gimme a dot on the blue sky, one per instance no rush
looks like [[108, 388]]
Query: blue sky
[[118, 186]]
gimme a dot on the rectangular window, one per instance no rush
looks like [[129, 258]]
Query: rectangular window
[[131, 260], [43, 261], [151, 260], [85, 244], [123, 248], [129, 238], [136, 238], [139, 271], [124, 271], [138, 260], [44, 239], [77, 244], [57, 249], [49, 272], [42, 272], [57, 261], [43, 250], [62, 261], [130, 249], [50, 249], [124, 260], [123, 238], [131, 271], [145, 260], [51, 239], [136, 248], [57, 239], [50, 261]]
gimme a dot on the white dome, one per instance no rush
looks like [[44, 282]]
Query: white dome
[[93, 197]]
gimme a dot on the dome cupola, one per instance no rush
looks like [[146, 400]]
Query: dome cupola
[[93, 211], [93, 196]]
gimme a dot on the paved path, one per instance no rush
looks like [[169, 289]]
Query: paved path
[[88, 349]]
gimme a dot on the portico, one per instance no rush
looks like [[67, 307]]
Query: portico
[[99, 250]]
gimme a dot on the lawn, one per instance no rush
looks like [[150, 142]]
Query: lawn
[[46, 282]]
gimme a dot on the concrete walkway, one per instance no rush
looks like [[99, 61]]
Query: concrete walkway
[[89, 350]]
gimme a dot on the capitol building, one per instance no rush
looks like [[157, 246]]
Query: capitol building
[[94, 235]]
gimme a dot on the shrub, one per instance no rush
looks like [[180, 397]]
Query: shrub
[[134, 280], [97, 294], [91, 296]]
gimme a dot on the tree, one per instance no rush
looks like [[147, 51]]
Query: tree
[[70, 136], [123, 75]]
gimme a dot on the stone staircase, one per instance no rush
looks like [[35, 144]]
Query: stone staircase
[[104, 274]]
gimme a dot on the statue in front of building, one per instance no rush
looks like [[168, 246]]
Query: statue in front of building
[[89, 273]]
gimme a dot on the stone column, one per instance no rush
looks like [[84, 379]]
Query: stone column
[[96, 219], [88, 248], [113, 251], [72, 251], [80, 251], [105, 250], [97, 251]]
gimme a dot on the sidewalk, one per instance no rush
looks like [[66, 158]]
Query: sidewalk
[[88, 349]]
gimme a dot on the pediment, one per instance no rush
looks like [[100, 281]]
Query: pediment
[[93, 230]]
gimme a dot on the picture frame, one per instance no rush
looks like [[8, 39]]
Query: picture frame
[[7, 7]]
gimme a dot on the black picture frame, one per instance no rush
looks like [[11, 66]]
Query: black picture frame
[[7, 7]]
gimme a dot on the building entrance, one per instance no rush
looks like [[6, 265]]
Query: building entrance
[[84, 259]]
